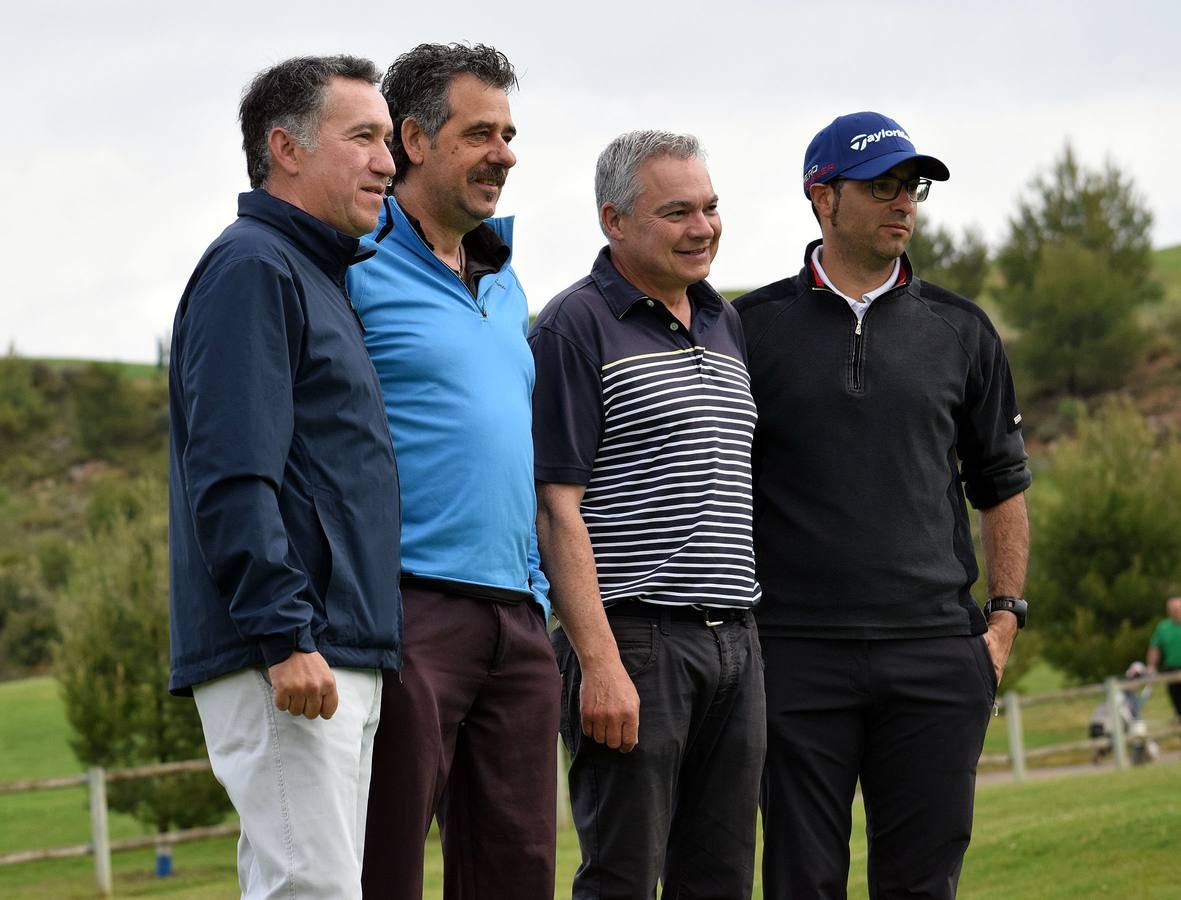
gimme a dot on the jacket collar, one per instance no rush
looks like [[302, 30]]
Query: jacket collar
[[328, 248], [490, 244], [905, 276], [622, 296]]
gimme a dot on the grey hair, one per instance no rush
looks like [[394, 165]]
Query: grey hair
[[617, 172], [291, 95]]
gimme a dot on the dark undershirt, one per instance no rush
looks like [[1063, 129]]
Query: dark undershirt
[[484, 249]]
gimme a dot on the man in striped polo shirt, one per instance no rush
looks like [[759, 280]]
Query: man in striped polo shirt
[[642, 425]]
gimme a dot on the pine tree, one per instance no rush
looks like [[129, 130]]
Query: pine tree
[[1077, 266], [113, 666]]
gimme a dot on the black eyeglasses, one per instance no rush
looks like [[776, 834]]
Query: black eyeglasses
[[887, 187]]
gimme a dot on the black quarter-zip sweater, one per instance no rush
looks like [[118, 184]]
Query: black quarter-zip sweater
[[868, 439]]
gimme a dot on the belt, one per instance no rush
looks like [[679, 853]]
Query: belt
[[709, 616]]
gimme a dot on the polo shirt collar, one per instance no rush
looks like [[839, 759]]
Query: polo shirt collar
[[622, 296]]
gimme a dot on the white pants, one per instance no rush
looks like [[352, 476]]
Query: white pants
[[300, 786]]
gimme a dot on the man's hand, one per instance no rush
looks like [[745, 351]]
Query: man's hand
[[1002, 629], [304, 686], [610, 706]]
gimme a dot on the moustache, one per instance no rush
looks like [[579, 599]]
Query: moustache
[[496, 174]]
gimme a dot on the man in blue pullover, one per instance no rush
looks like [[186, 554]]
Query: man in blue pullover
[[283, 496], [470, 723]]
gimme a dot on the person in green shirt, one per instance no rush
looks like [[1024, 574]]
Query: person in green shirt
[[1164, 650]]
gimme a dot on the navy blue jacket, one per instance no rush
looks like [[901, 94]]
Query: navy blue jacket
[[283, 493]]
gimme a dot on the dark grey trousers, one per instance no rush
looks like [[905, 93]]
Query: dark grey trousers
[[907, 718], [682, 806]]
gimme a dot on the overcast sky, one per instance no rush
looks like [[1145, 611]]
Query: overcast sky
[[121, 158]]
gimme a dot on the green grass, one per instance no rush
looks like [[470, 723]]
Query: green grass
[[1167, 262], [1165, 319], [33, 732], [1092, 837], [1097, 837], [1040, 678]]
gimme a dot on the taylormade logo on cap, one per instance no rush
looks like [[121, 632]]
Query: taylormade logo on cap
[[861, 141], [863, 145]]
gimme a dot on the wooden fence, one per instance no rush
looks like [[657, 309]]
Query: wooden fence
[[1111, 690], [101, 845]]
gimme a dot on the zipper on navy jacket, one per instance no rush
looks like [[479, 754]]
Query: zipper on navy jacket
[[858, 340], [855, 362]]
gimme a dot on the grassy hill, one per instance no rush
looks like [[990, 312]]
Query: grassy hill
[[77, 437], [1168, 271]]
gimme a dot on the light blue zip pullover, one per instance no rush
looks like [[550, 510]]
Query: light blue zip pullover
[[457, 379]]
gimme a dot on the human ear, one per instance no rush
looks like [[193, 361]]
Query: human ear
[[414, 140], [284, 151], [609, 217]]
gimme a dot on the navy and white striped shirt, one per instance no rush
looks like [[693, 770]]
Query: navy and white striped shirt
[[657, 423]]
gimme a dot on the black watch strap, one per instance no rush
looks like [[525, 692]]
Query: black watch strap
[[1016, 605]]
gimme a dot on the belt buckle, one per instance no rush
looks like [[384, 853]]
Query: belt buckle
[[705, 617]]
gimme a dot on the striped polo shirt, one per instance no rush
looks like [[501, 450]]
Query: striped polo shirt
[[656, 421]]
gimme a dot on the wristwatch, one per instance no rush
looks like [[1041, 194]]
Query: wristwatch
[[1016, 605]]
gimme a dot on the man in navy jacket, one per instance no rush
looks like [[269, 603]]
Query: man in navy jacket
[[284, 511]]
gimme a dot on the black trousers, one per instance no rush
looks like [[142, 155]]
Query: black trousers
[[906, 718], [682, 806]]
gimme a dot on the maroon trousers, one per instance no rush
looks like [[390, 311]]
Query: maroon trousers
[[468, 733]]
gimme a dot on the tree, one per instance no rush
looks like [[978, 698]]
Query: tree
[[1074, 217], [113, 666], [959, 266], [22, 407], [1106, 542], [1083, 339]]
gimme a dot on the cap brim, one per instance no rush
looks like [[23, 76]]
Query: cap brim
[[928, 166]]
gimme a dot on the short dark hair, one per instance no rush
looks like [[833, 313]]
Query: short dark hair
[[291, 95], [417, 83]]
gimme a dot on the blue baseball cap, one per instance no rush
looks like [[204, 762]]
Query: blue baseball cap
[[864, 145]]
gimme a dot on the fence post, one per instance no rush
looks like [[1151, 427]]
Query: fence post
[[1115, 712], [1016, 734], [99, 836]]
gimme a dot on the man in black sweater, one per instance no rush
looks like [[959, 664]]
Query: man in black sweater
[[878, 394]]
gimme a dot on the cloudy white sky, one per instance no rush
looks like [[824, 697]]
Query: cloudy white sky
[[121, 160]]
